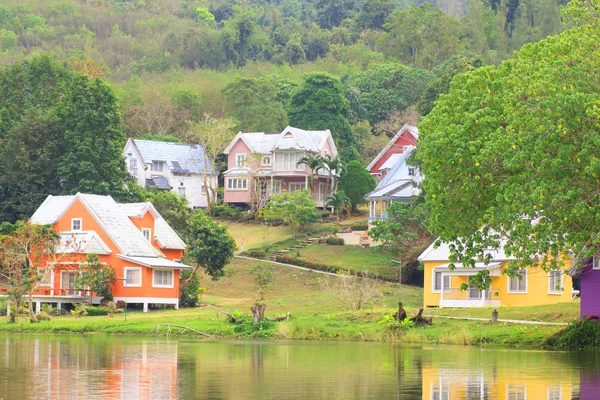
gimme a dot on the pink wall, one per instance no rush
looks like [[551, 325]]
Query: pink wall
[[238, 148], [406, 139]]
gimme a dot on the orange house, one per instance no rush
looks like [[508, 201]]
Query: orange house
[[132, 238]]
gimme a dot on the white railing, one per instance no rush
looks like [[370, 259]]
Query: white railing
[[469, 294]]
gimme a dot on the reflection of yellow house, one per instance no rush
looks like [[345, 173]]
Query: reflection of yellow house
[[494, 376], [442, 286]]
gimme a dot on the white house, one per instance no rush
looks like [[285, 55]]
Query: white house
[[401, 183], [176, 167]]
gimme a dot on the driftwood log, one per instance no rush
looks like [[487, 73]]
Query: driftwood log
[[419, 320], [184, 329], [280, 318], [230, 315]]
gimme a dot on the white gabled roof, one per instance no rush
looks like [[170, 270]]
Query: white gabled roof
[[390, 162], [289, 139], [51, 210], [396, 185], [442, 253], [406, 128], [155, 262], [81, 242], [167, 238]]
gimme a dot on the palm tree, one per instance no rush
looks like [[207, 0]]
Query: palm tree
[[315, 163], [339, 202], [333, 164]]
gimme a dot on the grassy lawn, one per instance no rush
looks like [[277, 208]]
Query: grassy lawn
[[353, 257]]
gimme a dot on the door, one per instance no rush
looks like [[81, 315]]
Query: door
[[67, 282], [322, 192], [277, 186], [264, 189]]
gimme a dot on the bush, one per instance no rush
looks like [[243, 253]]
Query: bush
[[577, 336], [256, 253], [334, 241], [94, 311], [189, 291], [301, 262], [3, 307], [44, 316], [225, 211], [121, 304], [360, 226]]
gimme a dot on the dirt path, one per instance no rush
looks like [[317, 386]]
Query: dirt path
[[286, 265], [511, 321]]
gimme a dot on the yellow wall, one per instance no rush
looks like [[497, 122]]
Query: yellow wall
[[537, 288]]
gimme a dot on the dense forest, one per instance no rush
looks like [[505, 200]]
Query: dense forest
[[170, 62]]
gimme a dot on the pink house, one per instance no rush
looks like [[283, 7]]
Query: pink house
[[260, 164], [388, 157]]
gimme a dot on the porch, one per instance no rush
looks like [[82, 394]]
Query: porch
[[276, 183], [456, 297], [54, 296], [449, 282]]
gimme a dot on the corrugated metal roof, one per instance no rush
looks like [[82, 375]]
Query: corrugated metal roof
[[266, 142], [81, 242], [188, 158], [51, 210], [390, 162], [166, 236], [155, 262], [442, 253]]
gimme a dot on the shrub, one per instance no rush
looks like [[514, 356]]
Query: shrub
[[189, 291], [335, 241], [225, 211], [256, 253], [360, 226], [44, 316], [580, 335], [93, 311], [121, 304], [325, 215], [3, 307]]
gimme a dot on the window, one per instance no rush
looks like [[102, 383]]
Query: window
[[133, 276], [237, 184], [181, 191], [554, 392], [437, 287], [596, 263], [411, 171], [162, 278], [288, 161], [516, 392], [45, 276], [133, 166], [147, 233], [518, 283], [76, 224], [157, 166], [440, 390], [265, 161], [296, 186], [203, 190], [555, 282], [240, 160]]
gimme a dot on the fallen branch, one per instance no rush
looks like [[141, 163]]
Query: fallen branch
[[234, 319], [185, 328], [419, 320], [280, 318]]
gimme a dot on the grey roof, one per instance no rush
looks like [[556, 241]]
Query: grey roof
[[390, 162], [167, 238], [155, 262], [106, 211], [158, 182], [180, 158], [394, 185], [289, 139], [442, 253]]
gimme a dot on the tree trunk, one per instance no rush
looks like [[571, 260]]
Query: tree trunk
[[258, 312], [32, 316]]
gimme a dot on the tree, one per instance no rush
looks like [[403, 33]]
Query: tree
[[211, 246], [335, 166], [297, 209], [320, 103], [339, 202], [354, 290], [315, 163], [96, 277], [190, 287], [511, 153], [263, 278], [23, 255], [356, 182], [213, 134], [173, 208]]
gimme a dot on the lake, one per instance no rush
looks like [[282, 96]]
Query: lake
[[111, 367]]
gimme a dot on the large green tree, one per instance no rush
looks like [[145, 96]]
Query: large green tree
[[297, 209], [320, 103], [356, 182], [513, 152]]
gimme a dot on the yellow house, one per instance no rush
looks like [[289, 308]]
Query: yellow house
[[442, 286]]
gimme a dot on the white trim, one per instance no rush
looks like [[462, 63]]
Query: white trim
[[150, 300], [125, 284], [559, 387], [233, 142], [262, 160], [526, 278], [155, 285], [442, 276], [80, 224], [243, 182], [596, 263], [237, 158], [67, 289], [398, 135], [515, 387], [149, 238], [553, 290]]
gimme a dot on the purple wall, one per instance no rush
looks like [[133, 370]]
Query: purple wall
[[589, 386], [590, 293]]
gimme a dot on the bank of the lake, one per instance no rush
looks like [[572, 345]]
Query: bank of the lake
[[315, 315]]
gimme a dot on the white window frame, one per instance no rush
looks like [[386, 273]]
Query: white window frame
[[552, 276], [288, 161], [73, 220], [240, 157], [154, 284], [297, 186], [147, 231], [181, 191], [202, 190], [133, 166], [525, 278], [237, 184], [125, 276], [266, 160], [412, 171], [46, 272], [446, 289], [596, 263], [516, 389], [554, 392], [157, 166]]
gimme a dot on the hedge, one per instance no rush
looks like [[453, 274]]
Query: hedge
[[95, 311], [334, 241], [360, 227]]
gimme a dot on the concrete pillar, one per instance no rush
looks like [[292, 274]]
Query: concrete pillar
[[59, 308], [177, 305], [145, 307], [38, 307], [8, 310]]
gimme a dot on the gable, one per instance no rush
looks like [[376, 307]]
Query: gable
[[407, 136]]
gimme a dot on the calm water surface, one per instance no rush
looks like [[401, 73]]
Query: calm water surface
[[101, 367]]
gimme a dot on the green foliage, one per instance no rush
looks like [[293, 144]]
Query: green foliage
[[263, 278], [359, 226], [210, 245], [503, 155], [94, 311], [581, 335], [403, 228], [225, 211], [79, 310], [189, 288], [96, 276], [203, 15], [297, 209], [356, 182], [173, 208], [340, 203], [389, 322], [334, 241], [8, 39], [319, 104]]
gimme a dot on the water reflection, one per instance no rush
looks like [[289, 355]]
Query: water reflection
[[61, 367]]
